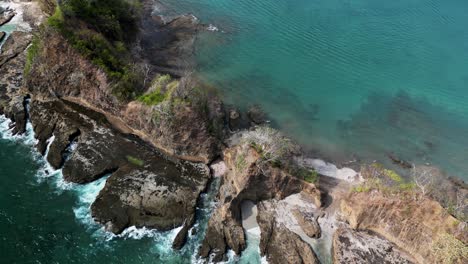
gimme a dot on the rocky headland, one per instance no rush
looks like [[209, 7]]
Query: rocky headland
[[127, 105]]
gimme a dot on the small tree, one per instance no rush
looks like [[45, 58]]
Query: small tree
[[270, 144], [424, 178]]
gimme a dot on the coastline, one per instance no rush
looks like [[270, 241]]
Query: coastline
[[246, 179]]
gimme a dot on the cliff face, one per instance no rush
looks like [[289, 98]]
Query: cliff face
[[351, 246], [246, 180], [414, 225], [12, 61], [280, 244], [90, 134], [59, 72]]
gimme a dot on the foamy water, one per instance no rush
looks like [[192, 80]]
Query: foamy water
[[158, 244]]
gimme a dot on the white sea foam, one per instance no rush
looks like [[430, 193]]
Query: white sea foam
[[212, 27]]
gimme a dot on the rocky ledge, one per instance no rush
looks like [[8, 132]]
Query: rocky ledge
[[350, 246], [248, 179]]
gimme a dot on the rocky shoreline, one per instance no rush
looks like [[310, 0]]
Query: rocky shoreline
[[161, 157]]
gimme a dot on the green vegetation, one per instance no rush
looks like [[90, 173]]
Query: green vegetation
[[101, 31], [240, 162], [308, 175], [385, 180], [135, 161], [449, 249], [163, 87], [312, 177], [361, 188], [32, 53], [153, 98]]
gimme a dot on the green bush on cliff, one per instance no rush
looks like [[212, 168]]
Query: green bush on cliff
[[308, 175], [449, 249], [33, 51], [135, 161], [385, 180], [101, 31]]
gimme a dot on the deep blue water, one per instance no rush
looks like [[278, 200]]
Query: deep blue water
[[347, 79]]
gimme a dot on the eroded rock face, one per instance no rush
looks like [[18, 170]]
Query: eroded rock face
[[245, 180], [6, 15], [60, 72], [12, 61], [148, 197], [145, 188], [361, 247], [278, 243], [414, 225]]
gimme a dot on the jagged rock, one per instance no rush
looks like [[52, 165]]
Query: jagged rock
[[6, 15], [279, 244], [160, 196], [2, 35], [12, 61], [145, 188], [181, 237], [234, 120], [355, 247], [245, 180], [308, 223], [256, 115]]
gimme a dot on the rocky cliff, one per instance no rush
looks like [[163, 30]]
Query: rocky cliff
[[246, 179], [416, 225], [83, 129]]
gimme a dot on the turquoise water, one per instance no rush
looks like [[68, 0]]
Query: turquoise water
[[347, 79]]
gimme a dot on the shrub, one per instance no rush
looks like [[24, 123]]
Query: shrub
[[162, 87], [135, 161], [449, 249], [153, 98], [33, 51], [361, 188], [388, 181], [100, 31], [311, 177], [270, 144], [240, 162]]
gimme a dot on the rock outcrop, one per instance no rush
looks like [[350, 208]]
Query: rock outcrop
[[6, 15], [361, 247], [246, 180], [145, 188], [412, 224], [12, 61], [59, 71], [278, 243]]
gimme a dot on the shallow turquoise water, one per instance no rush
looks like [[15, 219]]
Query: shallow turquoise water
[[347, 79]]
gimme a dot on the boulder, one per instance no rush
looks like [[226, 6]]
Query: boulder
[[278, 243], [361, 247]]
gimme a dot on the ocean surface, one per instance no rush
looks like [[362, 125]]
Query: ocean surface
[[347, 79]]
